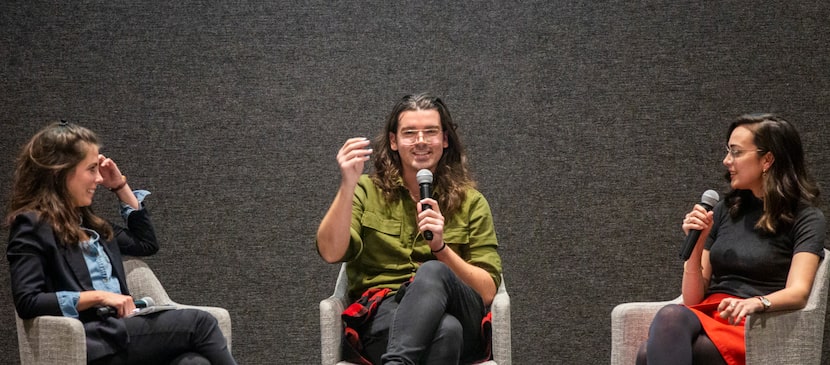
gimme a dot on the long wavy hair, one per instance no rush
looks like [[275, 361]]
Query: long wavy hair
[[39, 183], [451, 178], [786, 184]]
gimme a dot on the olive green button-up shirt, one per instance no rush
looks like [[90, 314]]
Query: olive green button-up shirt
[[386, 248]]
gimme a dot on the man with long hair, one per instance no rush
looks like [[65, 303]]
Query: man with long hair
[[434, 292]]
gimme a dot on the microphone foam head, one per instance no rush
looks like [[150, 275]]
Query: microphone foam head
[[710, 198], [424, 176]]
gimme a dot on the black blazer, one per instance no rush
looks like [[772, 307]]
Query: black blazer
[[40, 266]]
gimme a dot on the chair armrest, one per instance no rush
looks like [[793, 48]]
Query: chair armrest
[[500, 308], [331, 322], [51, 340], [791, 337], [786, 337], [629, 328], [331, 329]]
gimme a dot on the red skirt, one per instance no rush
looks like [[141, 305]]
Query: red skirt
[[728, 338]]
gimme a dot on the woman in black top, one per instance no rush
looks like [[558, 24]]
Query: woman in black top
[[759, 249]]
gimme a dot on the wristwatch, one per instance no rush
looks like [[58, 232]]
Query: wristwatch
[[765, 302]]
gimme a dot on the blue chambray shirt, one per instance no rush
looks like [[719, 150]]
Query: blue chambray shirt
[[98, 264]]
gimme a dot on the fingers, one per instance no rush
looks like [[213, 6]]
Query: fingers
[[122, 303], [109, 171], [724, 304], [104, 161], [433, 205], [698, 219], [355, 147], [431, 219], [353, 154], [734, 310], [107, 164]]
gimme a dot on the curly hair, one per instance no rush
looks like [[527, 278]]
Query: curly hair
[[451, 177], [39, 182]]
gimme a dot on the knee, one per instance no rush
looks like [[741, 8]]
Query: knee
[[190, 358], [433, 270], [432, 276], [641, 354], [449, 330], [672, 313], [673, 317], [200, 318]]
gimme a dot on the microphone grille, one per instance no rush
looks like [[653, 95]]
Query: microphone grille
[[710, 197], [424, 176]]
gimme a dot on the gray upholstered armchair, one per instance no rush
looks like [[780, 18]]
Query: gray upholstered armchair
[[777, 337], [61, 340], [331, 325]]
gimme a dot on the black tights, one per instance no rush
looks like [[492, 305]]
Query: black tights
[[677, 337]]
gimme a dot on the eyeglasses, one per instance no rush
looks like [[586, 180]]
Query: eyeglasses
[[735, 153], [412, 136]]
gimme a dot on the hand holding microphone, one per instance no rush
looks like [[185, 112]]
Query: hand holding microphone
[[139, 303], [708, 201], [424, 178]]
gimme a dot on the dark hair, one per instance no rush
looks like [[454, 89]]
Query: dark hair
[[786, 184], [452, 178], [39, 183]]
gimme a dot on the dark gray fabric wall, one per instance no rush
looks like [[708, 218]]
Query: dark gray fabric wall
[[592, 127]]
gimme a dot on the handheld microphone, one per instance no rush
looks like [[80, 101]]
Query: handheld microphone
[[144, 302], [707, 201], [424, 178], [139, 303]]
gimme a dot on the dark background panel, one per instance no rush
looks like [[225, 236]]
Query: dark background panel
[[591, 127]]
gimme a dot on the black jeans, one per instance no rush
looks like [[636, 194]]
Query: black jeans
[[183, 336], [437, 321]]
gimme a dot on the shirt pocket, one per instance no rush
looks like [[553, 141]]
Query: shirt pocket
[[385, 226], [457, 235]]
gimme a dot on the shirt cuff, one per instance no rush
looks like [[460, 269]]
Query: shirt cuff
[[68, 301], [126, 209]]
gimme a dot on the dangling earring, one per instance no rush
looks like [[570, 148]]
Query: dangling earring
[[764, 173]]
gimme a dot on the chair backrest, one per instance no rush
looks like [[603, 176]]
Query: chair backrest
[[341, 287], [821, 285], [143, 282]]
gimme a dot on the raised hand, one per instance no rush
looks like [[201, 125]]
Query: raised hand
[[109, 172], [352, 157]]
